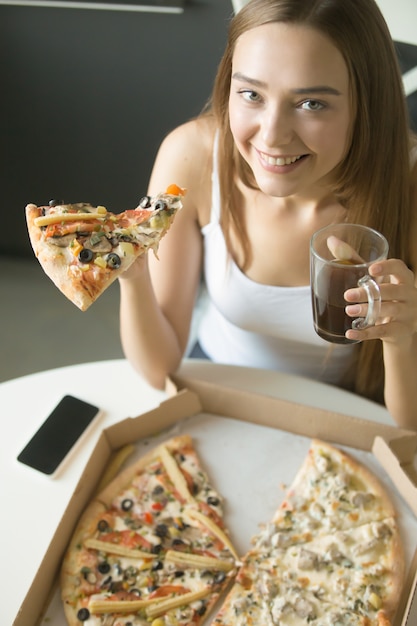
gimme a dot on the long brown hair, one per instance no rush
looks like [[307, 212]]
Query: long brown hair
[[373, 180]]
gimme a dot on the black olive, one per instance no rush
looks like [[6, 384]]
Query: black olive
[[201, 610], [107, 581], [157, 490], [113, 261], [104, 567], [178, 542], [145, 203], [157, 565], [130, 572], [219, 577], [161, 530], [102, 526], [178, 573], [137, 592], [127, 504], [152, 588], [86, 255], [213, 500], [55, 202], [160, 205], [156, 549], [83, 615]]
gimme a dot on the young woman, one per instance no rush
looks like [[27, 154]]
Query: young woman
[[307, 126]]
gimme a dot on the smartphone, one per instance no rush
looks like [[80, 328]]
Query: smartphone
[[58, 434]]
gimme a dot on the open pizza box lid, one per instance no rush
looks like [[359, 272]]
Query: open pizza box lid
[[394, 449]]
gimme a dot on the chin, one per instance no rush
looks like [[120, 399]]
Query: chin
[[275, 189]]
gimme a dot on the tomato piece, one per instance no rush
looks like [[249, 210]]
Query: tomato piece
[[190, 482], [175, 190], [132, 216], [211, 513], [147, 517], [166, 590], [65, 228], [127, 538]]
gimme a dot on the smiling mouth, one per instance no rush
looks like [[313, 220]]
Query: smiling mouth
[[289, 160]]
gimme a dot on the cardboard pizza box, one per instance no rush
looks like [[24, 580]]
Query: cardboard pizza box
[[393, 448]]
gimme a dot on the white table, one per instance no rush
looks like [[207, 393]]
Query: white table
[[32, 504]]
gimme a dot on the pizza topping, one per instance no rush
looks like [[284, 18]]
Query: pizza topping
[[98, 242], [307, 560], [61, 242], [83, 615], [85, 255], [113, 260], [127, 504], [63, 217], [145, 202]]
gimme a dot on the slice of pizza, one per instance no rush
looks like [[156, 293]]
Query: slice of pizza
[[359, 569], [84, 249], [333, 491], [331, 555], [259, 597], [152, 548]]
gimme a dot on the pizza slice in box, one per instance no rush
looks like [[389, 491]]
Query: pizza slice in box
[[84, 249], [151, 548], [331, 556]]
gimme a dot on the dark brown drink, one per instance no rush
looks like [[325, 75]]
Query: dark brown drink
[[340, 257], [330, 319]]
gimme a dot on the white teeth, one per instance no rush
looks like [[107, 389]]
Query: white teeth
[[280, 160]]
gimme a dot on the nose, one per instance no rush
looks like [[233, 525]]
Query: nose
[[277, 126]]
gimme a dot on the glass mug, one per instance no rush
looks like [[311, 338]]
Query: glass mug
[[340, 255]]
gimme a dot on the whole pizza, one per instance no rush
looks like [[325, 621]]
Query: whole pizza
[[153, 549]]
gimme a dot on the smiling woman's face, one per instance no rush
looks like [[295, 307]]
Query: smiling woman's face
[[289, 107]]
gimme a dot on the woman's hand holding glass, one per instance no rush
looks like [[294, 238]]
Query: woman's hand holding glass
[[397, 322]]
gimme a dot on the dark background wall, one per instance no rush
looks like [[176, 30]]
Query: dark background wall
[[86, 97]]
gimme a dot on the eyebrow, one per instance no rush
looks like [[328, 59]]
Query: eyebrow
[[314, 89]]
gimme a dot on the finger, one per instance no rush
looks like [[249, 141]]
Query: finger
[[342, 251], [391, 330], [395, 268], [389, 291], [389, 310]]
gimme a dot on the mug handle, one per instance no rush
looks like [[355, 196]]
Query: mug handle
[[374, 303]]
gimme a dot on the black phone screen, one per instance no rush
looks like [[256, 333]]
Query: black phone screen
[[58, 434]]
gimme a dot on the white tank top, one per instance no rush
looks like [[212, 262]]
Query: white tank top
[[255, 325]]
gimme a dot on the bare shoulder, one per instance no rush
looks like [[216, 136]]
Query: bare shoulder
[[185, 158], [197, 134]]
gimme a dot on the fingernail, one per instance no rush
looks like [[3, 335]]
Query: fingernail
[[353, 309], [354, 294]]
